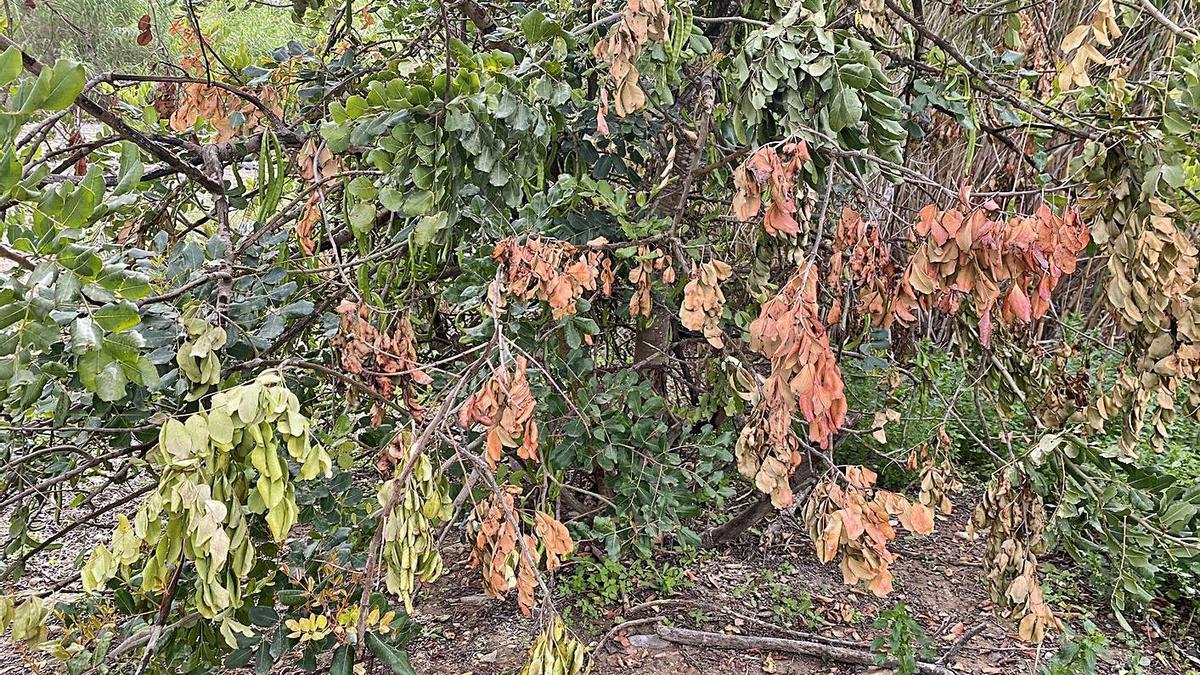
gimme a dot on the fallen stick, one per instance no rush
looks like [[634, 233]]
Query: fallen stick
[[699, 638], [962, 642]]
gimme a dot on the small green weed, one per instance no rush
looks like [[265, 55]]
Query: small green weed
[[1078, 653], [903, 640], [789, 607], [598, 585]]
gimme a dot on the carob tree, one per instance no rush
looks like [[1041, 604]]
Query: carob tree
[[537, 275]]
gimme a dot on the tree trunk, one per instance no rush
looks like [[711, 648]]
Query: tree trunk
[[801, 481]]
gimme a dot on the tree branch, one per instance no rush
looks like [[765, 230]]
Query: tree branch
[[118, 125]]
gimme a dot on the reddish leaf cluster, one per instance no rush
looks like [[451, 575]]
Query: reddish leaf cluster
[[1011, 266], [307, 222], [859, 247], [804, 378], [774, 167], [383, 359], [144, 35], [804, 373], [81, 164], [315, 163], [504, 405], [497, 551], [550, 270], [856, 521], [194, 101]]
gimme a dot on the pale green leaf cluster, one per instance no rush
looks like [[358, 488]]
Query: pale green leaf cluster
[[205, 497], [197, 357], [409, 545], [26, 618]]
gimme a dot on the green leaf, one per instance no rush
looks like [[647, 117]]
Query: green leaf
[[535, 27], [362, 217], [239, 657], [131, 169], [356, 106], [259, 616], [343, 661], [117, 316], [845, 110], [125, 284], [66, 84], [10, 65], [10, 170], [85, 335], [428, 227], [396, 659], [418, 203], [110, 382], [220, 429], [147, 373], [856, 75], [392, 199]]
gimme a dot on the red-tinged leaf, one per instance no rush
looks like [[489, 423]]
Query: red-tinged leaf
[[144, 38], [985, 328], [778, 221], [1017, 305], [802, 151], [964, 195], [925, 218], [602, 114], [881, 585], [919, 519], [144, 23]]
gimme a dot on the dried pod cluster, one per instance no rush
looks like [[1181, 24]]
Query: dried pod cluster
[[200, 510], [314, 162], [28, 618], [938, 480], [1154, 291], [804, 373], [197, 357], [1079, 46]]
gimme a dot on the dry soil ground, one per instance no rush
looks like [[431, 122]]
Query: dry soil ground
[[939, 578]]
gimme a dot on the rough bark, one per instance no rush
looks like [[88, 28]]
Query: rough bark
[[802, 480]]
